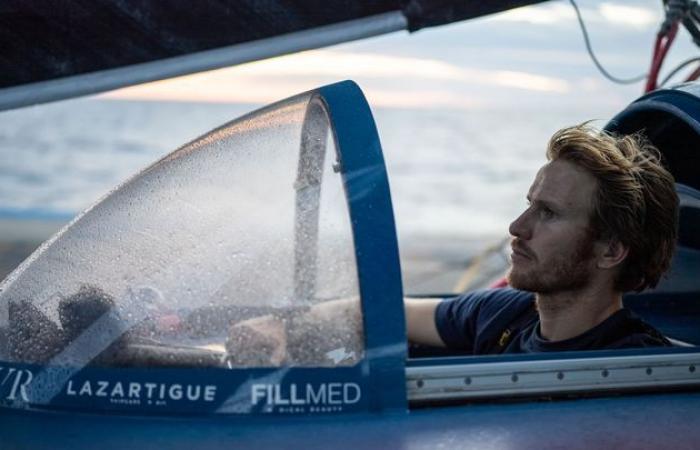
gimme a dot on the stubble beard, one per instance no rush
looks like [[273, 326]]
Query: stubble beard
[[566, 272]]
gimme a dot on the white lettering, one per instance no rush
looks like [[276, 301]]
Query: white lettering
[[209, 393], [322, 394], [190, 392], [102, 388], [10, 371], [22, 386], [278, 396], [175, 392], [318, 397], [149, 389], [118, 389], [334, 393], [134, 390], [193, 392], [293, 396], [259, 391], [346, 393], [86, 389]]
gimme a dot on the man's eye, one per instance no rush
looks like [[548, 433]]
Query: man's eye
[[546, 212]]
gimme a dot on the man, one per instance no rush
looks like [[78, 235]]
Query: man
[[601, 220]]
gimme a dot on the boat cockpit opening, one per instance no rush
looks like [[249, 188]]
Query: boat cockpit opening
[[670, 119], [266, 250]]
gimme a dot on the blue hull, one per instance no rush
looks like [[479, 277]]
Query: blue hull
[[656, 421]]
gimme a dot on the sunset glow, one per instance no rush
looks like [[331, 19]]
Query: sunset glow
[[418, 81]]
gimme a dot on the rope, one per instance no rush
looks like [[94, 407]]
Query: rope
[[678, 68], [677, 12], [600, 67]]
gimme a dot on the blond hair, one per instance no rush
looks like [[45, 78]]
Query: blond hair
[[635, 203]]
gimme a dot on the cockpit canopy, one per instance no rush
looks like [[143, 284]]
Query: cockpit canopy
[[248, 220]]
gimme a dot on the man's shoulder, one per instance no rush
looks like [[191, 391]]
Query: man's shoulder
[[483, 304], [498, 298], [462, 320], [635, 333]]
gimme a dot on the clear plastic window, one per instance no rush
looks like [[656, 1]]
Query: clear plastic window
[[221, 254]]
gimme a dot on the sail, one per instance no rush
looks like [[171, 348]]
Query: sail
[[49, 52]]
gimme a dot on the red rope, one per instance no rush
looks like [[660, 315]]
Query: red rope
[[694, 76], [661, 48], [653, 71]]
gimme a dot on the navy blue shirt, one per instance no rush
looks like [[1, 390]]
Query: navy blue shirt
[[506, 321]]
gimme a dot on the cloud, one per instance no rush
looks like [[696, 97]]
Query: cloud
[[329, 62], [633, 16], [532, 82], [421, 98], [539, 15], [412, 80], [605, 13], [257, 90], [372, 65]]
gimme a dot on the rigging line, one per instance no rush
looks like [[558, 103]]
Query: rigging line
[[678, 68], [694, 76], [602, 70], [661, 48]]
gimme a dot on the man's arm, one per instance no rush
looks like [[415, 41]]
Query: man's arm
[[420, 321], [263, 340], [269, 340]]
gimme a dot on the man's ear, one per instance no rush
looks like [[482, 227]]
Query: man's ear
[[612, 253]]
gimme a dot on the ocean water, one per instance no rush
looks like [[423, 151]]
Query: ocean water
[[451, 172], [458, 177]]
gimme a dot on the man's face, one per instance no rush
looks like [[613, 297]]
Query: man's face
[[552, 243]]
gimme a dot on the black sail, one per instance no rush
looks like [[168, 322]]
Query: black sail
[[62, 42]]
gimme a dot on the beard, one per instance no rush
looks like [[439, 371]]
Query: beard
[[566, 271]]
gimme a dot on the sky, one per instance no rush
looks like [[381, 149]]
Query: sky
[[529, 56]]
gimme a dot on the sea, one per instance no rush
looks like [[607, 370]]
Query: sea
[[458, 177]]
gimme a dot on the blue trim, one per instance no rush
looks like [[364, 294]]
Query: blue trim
[[556, 356], [376, 246], [681, 104], [377, 383], [149, 391]]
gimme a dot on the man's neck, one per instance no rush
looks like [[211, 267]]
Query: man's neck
[[565, 315]]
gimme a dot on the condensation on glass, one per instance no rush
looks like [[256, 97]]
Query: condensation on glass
[[234, 251]]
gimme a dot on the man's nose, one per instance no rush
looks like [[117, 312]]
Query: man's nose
[[520, 227]]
